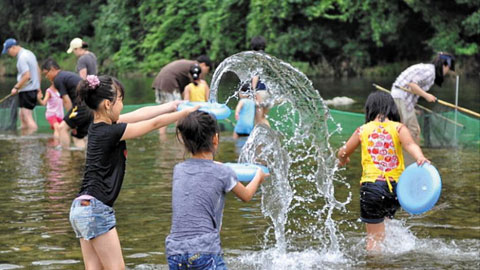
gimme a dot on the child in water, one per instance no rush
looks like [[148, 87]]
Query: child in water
[[263, 106], [198, 197], [91, 214], [54, 110], [381, 139], [244, 113], [198, 90]]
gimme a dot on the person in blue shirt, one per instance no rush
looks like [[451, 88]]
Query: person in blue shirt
[[244, 113]]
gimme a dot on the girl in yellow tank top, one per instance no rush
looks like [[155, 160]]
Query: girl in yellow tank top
[[381, 140], [198, 90]]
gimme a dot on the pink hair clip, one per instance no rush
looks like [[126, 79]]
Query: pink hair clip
[[93, 81]]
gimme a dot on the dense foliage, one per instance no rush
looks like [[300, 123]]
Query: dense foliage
[[335, 37]]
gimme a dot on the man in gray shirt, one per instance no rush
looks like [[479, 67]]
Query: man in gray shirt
[[28, 82], [87, 61]]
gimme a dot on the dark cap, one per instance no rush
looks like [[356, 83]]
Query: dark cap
[[447, 59]]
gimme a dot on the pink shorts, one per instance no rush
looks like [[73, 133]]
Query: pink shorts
[[54, 119]]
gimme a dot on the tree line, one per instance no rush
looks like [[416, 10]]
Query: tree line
[[333, 37]]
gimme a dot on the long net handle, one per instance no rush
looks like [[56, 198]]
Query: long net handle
[[423, 108], [448, 104], [6, 97]]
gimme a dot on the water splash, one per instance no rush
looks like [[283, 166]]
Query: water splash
[[299, 197]]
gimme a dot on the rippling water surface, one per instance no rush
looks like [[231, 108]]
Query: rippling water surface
[[39, 181]]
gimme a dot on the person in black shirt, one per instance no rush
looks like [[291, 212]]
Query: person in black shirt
[[78, 117], [91, 214]]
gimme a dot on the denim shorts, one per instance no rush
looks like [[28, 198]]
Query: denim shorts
[[197, 261], [377, 202], [91, 218]]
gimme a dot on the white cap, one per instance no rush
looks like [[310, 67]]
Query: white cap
[[75, 43]]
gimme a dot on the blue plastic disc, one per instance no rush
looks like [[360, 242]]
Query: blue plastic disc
[[419, 188], [245, 171], [221, 111]]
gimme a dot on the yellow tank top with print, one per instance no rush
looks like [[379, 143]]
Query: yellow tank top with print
[[197, 92], [381, 152]]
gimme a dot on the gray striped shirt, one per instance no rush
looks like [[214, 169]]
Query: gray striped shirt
[[421, 74]]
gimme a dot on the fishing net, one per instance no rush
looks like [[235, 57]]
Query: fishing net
[[8, 113], [448, 129], [439, 128]]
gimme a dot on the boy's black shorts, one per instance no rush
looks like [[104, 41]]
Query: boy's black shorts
[[377, 202], [79, 119]]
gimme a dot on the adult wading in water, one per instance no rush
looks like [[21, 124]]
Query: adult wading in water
[[87, 61], [28, 83], [419, 79], [170, 82]]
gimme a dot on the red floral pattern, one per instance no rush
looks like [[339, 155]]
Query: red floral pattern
[[382, 149]]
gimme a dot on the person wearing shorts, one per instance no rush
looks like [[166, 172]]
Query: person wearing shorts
[[382, 139], [86, 209], [78, 117], [54, 108], [377, 202], [172, 79], [28, 82]]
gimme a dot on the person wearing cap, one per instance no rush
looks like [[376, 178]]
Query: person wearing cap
[[170, 82], [419, 79], [87, 61], [28, 82]]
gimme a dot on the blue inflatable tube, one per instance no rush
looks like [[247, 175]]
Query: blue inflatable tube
[[221, 111], [419, 188], [245, 171]]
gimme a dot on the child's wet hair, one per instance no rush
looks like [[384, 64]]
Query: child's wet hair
[[107, 87], [196, 132], [380, 103], [245, 87]]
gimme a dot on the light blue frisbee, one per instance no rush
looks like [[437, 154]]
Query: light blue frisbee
[[221, 111], [245, 171], [419, 188]]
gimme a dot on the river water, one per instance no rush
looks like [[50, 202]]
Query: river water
[[39, 182]]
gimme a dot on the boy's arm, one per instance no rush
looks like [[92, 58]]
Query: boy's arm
[[345, 151], [409, 144], [254, 82], [238, 109], [245, 193]]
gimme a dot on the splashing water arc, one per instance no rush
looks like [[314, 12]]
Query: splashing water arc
[[299, 196]]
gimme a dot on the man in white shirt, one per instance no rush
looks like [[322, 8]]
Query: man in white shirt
[[28, 83]]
